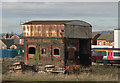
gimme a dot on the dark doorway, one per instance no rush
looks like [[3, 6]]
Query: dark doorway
[[31, 50], [84, 52]]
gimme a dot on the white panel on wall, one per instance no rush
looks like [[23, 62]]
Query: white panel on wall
[[117, 38]]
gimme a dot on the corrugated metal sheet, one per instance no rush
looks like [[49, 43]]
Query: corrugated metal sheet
[[68, 22], [79, 23], [78, 32]]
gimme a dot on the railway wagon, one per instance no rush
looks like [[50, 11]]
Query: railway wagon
[[98, 52], [97, 55], [111, 55]]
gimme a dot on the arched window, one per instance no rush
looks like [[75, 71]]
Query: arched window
[[43, 51], [31, 50], [56, 51], [100, 43]]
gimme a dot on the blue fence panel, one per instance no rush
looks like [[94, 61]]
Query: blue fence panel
[[10, 53], [6, 53]]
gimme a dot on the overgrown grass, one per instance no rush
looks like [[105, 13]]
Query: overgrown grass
[[5, 65], [58, 77], [98, 74], [103, 70]]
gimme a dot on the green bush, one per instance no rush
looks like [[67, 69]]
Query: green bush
[[36, 57]]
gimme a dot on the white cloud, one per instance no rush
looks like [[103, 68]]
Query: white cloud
[[14, 12], [30, 5], [48, 8], [57, 5]]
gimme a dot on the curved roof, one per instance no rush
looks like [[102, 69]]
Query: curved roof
[[67, 22], [79, 23]]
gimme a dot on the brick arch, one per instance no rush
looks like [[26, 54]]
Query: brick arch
[[56, 57], [56, 48], [71, 47], [31, 46], [31, 55]]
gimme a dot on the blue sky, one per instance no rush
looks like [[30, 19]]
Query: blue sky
[[101, 15]]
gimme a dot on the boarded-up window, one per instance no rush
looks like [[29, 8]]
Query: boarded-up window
[[71, 53], [31, 50], [56, 51]]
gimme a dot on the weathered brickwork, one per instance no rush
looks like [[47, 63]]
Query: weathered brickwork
[[43, 30], [48, 38], [49, 45]]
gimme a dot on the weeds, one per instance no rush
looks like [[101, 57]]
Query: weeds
[[31, 76], [99, 73]]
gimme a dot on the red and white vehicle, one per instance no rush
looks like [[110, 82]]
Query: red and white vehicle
[[106, 54]]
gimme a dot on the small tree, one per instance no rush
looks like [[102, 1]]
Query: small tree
[[36, 57]]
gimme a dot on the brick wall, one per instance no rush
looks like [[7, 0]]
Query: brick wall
[[43, 30], [49, 38], [49, 45], [105, 43]]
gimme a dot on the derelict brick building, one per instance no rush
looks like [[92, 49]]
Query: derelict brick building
[[61, 43]]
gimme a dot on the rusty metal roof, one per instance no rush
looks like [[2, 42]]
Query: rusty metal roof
[[47, 22]]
